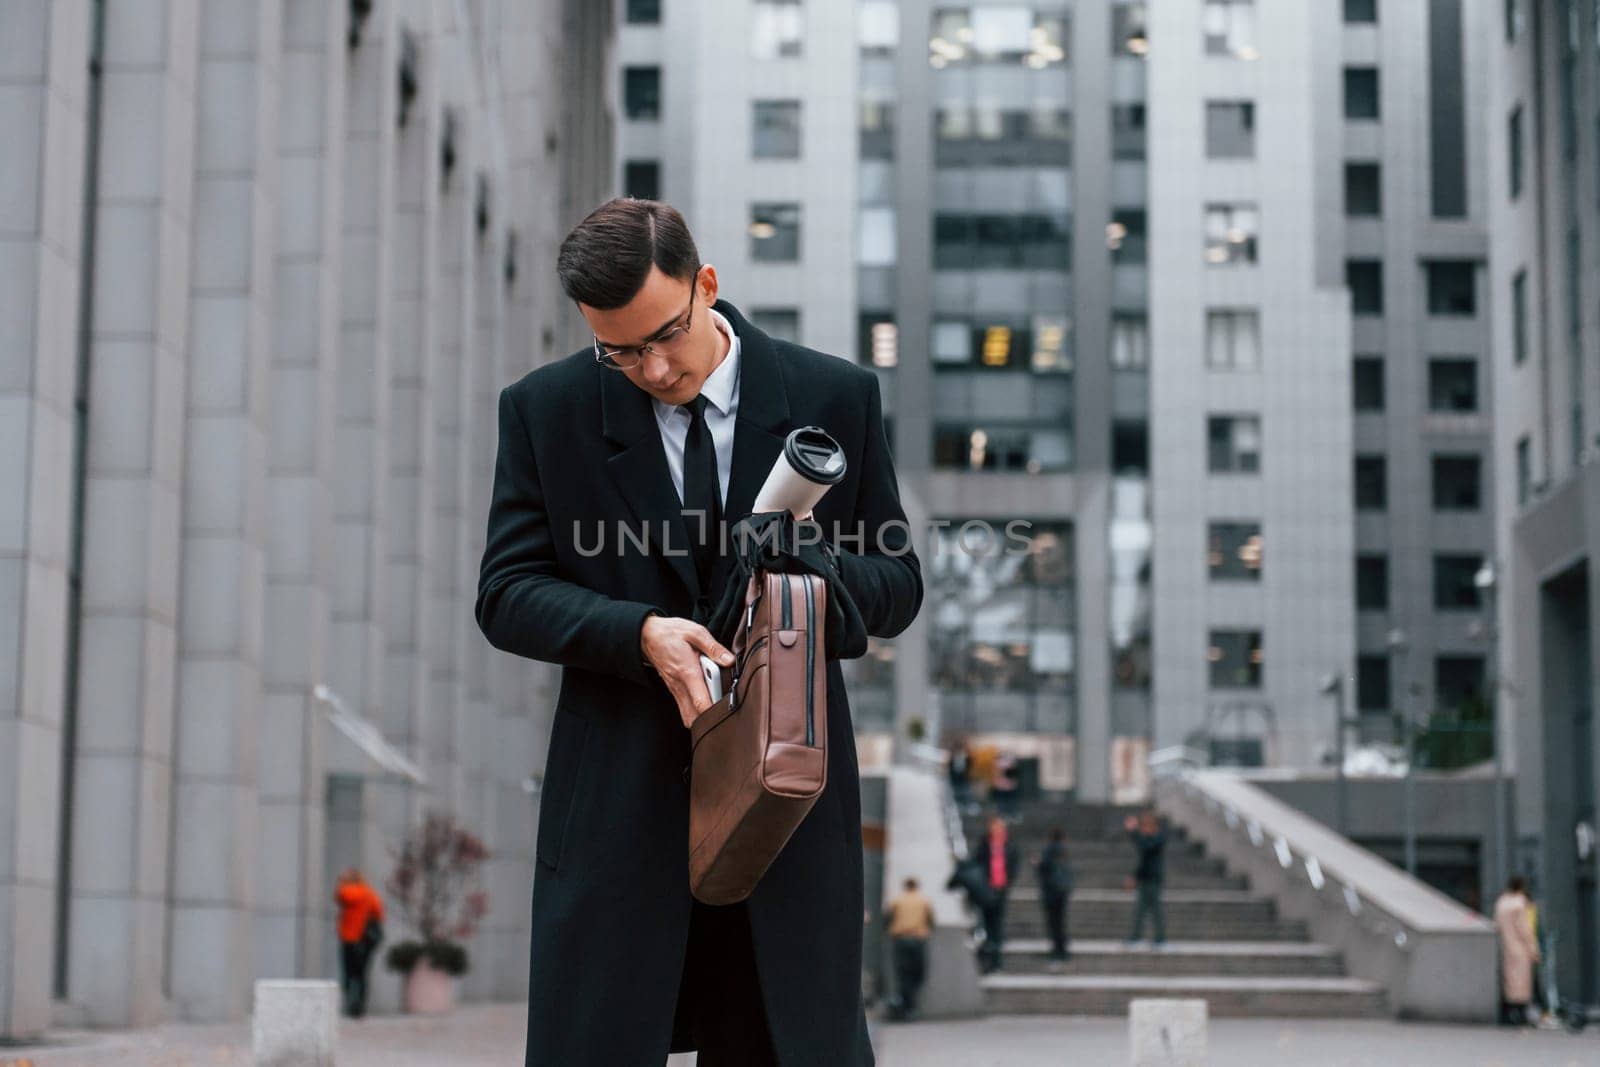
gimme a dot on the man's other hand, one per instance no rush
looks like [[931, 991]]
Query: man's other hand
[[673, 646]]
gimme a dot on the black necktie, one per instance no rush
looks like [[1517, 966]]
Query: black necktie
[[702, 493]]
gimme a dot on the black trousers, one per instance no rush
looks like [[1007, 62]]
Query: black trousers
[[994, 930], [719, 999], [910, 968], [355, 959], [1055, 917]]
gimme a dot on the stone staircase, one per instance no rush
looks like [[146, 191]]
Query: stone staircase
[[1225, 943]]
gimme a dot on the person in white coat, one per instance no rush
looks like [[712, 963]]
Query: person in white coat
[[1518, 951]]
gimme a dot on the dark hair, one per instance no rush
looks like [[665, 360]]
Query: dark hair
[[606, 258], [1517, 884], [911, 883]]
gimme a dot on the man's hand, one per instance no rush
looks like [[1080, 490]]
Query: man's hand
[[674, 647]]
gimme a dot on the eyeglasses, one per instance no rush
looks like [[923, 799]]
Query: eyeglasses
[[665, 342]]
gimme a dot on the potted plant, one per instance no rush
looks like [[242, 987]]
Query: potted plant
[[435, 886]]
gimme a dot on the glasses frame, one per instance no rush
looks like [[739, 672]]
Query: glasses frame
[[607, 357]]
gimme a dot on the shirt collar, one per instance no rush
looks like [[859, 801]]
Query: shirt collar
[[722, 385]]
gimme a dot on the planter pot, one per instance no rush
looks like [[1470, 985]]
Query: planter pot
[[428, 991]]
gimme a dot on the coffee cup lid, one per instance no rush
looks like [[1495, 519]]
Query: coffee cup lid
[[814, 453]]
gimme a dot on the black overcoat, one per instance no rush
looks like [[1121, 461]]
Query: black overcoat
[[579, 447]]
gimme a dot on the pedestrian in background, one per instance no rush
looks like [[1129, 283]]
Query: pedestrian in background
[[1006, 788], [961, 775], [1519, 952], [999, 858], [1149, 837], [910, 919], [1055, 887], [360, 933]]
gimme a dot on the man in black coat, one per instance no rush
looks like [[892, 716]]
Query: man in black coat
[[609, 461]]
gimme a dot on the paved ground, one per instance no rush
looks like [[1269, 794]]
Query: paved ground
[[491, 1036]]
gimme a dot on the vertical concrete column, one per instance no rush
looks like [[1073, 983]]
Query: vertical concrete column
[[447, 724], [43, 107], [224, 522], [473, 473], [290, 940], [408, 524], [122, 774], [355, 667], [361, 454]]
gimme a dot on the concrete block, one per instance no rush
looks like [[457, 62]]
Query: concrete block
[[1167, 1033], [124, 283], [296, 1023]]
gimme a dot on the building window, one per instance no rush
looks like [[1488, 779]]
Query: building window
[[1127, 131], [1231, 233], [777, 29], [1458, 681], [1233, 444], [1454, 584], [1363, 190], [1450, 287], [644, 11], [775, 233], [1041, 344], [877, 339], [1360, 92], [1372, 683], [1457, 483], [1130, 340], [641, 178], [782, 323], [876, 128], [1372, 483], [1361, 10], [1367, 383], [1365, 279], [1129, 37], [1524, 470], [1001, 242], [641, 93], [1230, 28], [1233, 551], [1236, 659], [1452, 385], [1130, 448], [1125, 236], [875, 237], [1233, 339], [878, 26], [1230, 129], [1513, 19], [987, 135], [1519, 316], [1514, 151], [775, 129], [1017, 675], [1372, 582]]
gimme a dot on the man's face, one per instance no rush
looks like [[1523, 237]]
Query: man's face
[[673, 371]]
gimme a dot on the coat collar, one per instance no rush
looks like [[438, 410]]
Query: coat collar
[[640, 468]]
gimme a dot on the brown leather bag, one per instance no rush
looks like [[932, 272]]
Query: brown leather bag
[[760, 754]]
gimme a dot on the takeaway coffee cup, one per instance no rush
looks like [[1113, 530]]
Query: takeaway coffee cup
[[811, 462]]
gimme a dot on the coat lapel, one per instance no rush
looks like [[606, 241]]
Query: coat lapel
[[640, 472], [763, 419]]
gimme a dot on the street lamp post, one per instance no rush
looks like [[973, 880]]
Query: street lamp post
[[1398, 647], [1487, 581], [1333, 686]]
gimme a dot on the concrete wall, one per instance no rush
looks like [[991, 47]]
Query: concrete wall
[[1436, 959], [297, 319]]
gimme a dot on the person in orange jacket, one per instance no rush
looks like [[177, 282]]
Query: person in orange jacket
[[360, 932]]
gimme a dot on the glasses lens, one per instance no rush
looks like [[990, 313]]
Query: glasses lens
[[620, 358]]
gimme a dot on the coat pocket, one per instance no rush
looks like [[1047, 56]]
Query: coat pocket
[[568, 735]]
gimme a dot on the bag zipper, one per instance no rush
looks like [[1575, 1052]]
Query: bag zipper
[[786, 622], [811, 651]]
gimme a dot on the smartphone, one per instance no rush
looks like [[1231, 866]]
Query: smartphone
[[713, 675]]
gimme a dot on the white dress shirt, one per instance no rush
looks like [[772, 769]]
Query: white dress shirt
[[721, 390]]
